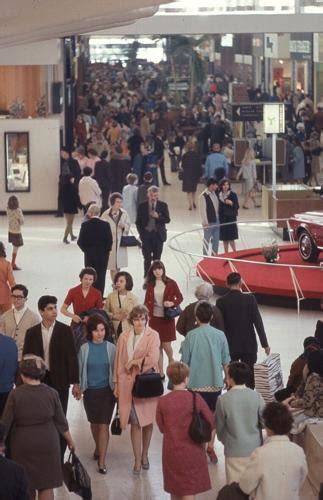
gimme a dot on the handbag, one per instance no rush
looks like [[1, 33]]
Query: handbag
[[148, 384], [116, 426], [129, 240], [76, 477], [172, 312], [200, 429]]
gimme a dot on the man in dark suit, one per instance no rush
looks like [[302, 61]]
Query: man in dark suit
[[95, 241], [241, 317], [152, 215], [54, 342], [13, 481]]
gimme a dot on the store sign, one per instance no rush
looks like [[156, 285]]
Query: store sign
[[274, 118], [271, 45], [245, 112], [300, 49]]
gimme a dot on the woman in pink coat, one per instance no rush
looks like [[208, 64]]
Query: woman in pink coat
[[136, 346]]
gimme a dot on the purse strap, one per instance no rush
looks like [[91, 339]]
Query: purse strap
[[194, 401]]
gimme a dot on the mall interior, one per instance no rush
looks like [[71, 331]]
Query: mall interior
[[206, 60]]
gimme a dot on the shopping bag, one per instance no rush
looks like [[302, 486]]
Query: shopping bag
[[269, 377], [76, 478]]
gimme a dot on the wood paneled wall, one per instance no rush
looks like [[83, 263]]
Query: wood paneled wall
[[23, 82]]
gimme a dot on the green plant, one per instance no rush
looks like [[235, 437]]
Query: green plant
[[270, 251]]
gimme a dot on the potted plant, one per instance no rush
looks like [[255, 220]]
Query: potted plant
[[270, 251]]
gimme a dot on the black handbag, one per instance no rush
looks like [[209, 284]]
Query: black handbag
[[129, 241], [116, 426], [148, 384], [172, 312], [76, 478], [200, 430]]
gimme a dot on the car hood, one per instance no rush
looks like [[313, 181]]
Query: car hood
[[314, 217]]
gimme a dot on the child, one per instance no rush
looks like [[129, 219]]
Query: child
[[15, 221], [129, 196], [238, 414]]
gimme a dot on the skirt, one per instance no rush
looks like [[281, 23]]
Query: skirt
[[165, 328], [99, 405], [15, 239], [247, 186]]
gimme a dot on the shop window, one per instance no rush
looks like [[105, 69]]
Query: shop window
[[17, 169]]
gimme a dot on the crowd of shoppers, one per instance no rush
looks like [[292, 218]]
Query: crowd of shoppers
[[121, 143], [218, 352]]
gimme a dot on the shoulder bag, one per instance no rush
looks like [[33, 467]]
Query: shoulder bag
[[200, 429], [148, 384]]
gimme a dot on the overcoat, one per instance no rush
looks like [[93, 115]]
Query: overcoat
[[147, 349]]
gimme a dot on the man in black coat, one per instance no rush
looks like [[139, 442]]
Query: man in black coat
[[241, 317], [54, 342], [13, 481], [95, 241], [152, 215]]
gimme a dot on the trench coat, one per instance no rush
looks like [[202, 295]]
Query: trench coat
[[148, 349], [118, 256]]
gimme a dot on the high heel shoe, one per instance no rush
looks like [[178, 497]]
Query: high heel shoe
[[102, 470], [146, 465], [136, 471]]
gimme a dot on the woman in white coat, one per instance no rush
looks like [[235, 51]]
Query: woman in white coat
[[120, 225]]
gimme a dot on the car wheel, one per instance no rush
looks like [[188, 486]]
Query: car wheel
[[307, 248]]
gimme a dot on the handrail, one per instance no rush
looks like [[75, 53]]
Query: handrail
[[233, 259]]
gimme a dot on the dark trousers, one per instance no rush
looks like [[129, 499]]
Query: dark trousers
[[63, 397], [105, 198], [162, 170], [100, 264], [250, 359], [3, 400], [152, 248]]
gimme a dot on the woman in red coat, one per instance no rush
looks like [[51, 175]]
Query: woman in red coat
[[185, 467], [162, 292]]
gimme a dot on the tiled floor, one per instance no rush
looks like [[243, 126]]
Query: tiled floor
[[49, 266]]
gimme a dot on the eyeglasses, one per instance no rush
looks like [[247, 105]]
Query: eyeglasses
[[17, 296]]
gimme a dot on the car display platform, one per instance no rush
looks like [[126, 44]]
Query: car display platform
[[289, 277]]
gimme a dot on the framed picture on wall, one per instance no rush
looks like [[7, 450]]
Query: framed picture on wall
[[17, 162]]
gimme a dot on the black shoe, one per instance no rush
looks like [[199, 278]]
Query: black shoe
[[65, 240], [73, 238], [102, 470], [167, 184], [58, 214]]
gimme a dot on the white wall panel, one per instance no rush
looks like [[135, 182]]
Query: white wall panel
[[44, 158]]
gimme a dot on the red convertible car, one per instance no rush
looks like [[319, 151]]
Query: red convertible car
[[307, 229]]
